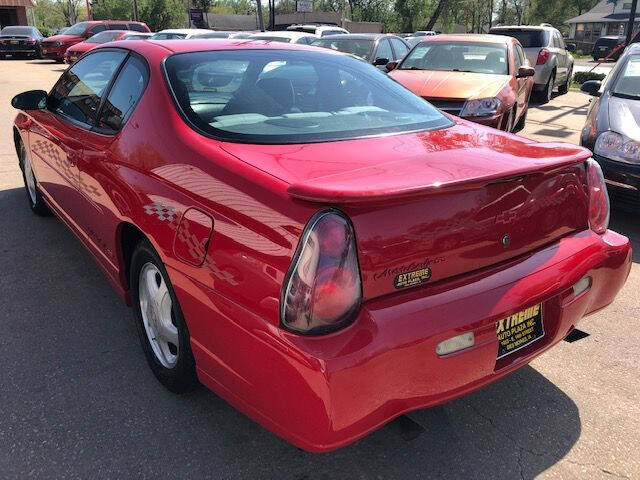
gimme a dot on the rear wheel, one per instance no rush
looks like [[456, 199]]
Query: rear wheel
[[161, 327], [36, 202], [564, 88], [544, 96]]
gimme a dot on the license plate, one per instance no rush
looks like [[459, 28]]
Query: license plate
[[45, 51], [73, 59], [14, 42], [519, 330]]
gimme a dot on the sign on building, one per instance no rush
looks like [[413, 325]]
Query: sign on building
[[304, 6]]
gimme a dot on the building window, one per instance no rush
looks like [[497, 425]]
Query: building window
[[626, 6]]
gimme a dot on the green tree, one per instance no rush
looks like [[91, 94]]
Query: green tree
[[161, 14], [112, 10]]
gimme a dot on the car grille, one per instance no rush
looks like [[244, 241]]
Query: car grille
[[453, 107]]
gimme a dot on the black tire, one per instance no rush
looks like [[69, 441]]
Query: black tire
[[521, 122], [564, 88], [181, 377], [508, 123], [36, 202], [544, 95]]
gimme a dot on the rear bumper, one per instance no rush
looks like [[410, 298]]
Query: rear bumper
[[623, 179], [321, 393], [19, 51]]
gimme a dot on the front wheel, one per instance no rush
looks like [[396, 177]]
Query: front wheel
[[34, 197], [161, 327]]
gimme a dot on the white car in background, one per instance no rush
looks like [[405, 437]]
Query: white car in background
[[178, 33], [285, 36], [318, 30]]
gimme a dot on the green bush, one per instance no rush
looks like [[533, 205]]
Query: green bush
[[581, 77]]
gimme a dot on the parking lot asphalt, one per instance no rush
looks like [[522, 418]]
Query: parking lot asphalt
[[78, 401]]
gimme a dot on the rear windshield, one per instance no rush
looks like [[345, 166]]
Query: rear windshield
[[527, 38], [358, 46], [168, 36], [285, 96], [609, 42], [104, 37], [26, 31], [458, 57], [77, 29], [628, 83]]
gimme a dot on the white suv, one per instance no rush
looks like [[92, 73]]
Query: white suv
[[319, 30]]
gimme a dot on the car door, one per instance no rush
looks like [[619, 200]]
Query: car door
[[59, 132], [522, 84], [383, 51], [101, 201], [561, 54]]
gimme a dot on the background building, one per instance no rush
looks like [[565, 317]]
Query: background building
[[602, 20], [16, 12]]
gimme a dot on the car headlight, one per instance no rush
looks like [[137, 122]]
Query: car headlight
[[615, 146], [481, 107]]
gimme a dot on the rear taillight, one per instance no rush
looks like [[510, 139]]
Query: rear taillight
[[598, 198], [543, 56], [322, 291]]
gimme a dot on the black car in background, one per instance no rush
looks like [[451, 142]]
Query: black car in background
[[20, 41], [612, 129], [604, 46], [376, 48]]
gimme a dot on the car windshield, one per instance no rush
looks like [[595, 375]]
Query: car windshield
[[527, 38], [357, 46], [26, 31], [628, 83], [104, 37], [271, 39], [77, 29], [288, 96], [458, 57], [167, 36]]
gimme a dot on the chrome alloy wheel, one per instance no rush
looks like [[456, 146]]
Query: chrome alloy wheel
[[29, 177], [157, 315]]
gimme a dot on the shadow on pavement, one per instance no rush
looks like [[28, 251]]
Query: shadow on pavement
[[624, 220], [78, 398]]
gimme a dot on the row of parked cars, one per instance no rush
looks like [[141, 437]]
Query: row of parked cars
[[314, 242]]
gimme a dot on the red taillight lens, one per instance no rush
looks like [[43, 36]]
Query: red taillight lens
[[543, 56], [322, 291], [598, 198]]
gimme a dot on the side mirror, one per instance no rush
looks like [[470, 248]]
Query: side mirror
[[525, 72], [571, 47], [380, 61], [31, 100], [592, 87], [392, 65]]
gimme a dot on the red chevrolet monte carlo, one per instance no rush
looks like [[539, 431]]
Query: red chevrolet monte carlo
[[313, 242]]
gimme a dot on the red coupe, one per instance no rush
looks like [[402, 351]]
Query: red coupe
[[309, 239], [76, 51]]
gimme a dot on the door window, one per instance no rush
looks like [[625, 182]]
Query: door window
[[136, 27], [399, 48], [384, 50], [98, 28], [518, 58], [78, 93], [124, 95]]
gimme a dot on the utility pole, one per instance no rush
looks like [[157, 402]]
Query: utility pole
[[89, 16], [260, 17], [135, 10], [632, 17]]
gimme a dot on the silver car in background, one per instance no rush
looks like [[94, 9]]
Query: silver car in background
[[547, 53]]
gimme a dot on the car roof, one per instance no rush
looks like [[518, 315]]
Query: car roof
[[200, 45], [523, 27], [283, 34], [469, 37], [124, 22], [358, 36]]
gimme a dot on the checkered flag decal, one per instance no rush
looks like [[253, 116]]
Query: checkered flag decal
[[163, 212]]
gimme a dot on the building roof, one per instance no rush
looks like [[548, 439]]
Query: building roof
[[18, 3], [601, 13]]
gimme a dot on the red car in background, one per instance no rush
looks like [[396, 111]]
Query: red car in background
[[56, 46], [73, 53], [309, 239], [483, 78]]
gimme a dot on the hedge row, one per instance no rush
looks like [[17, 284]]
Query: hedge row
[[581, 77]]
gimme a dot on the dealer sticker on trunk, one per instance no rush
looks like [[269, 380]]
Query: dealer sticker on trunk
[[519, 330], [409, 279]]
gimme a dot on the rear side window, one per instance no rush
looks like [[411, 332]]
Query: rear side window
[[78, 93], [98, 28], [124, 95], [399, 48], [384, 50], [527, 38], [287, 96], [136, 27]]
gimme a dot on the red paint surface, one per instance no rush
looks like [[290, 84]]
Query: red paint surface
[[444, 198]]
